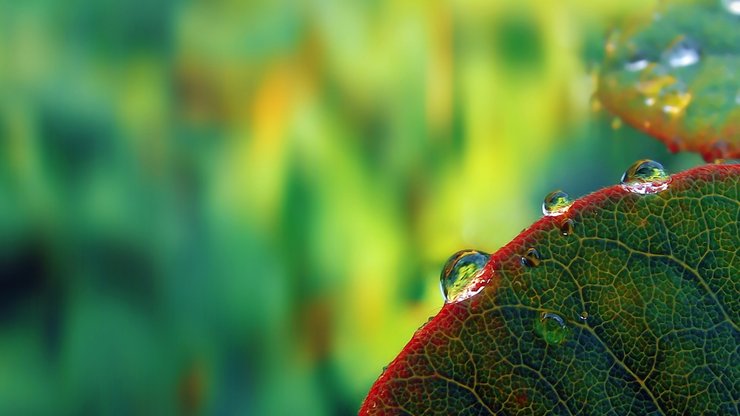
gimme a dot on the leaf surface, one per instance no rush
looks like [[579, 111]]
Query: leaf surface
[[647, 287], [674, 75]]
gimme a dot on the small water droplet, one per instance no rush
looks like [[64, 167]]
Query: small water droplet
[[517, 284], [556, 203], [551, 327], [683, 52], [732, 6], [461, 276], [566, 227], [637, 63], [531, 258], [583, 316], [616, 123], [645, 177]]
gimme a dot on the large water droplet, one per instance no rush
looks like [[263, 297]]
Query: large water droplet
[[566, 227], [531, 258], [684, 52], [732, 6], [556, 203], [461, 276], [551, 327], [645, 177]]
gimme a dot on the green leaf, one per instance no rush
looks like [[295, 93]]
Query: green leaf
[[674, 76], [634, 311]]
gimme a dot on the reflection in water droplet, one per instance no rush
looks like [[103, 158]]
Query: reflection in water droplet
[[556, 203], [732, 6], [583, 316], [683, 52], [461, 276], [566, 227], [645, 177], [551, 327], [531, 258]]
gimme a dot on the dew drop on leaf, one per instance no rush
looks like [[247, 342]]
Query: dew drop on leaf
[[556, 203], [583, 316], [683, 52], [551, 327], [645, 177], [566, 227], [531, 258], [461, 275]]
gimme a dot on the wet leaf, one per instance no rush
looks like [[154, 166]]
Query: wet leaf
[[674, 75], [635, 311]]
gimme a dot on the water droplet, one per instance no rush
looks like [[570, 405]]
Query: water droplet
[[649, 101], [637, 63], [566, 227], [583, 316], [461, 276], [645, 177], [732, 6], [531, 258], [683, 52], [616, 123], [551, 327], [556, 203]]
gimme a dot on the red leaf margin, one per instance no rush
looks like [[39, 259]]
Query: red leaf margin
[[447, 316]]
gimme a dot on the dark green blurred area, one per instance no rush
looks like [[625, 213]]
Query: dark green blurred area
[[226, 208]]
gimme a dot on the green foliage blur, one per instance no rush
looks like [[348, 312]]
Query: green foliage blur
[[227, 207]]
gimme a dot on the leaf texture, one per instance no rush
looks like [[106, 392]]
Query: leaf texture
[[656, 278]]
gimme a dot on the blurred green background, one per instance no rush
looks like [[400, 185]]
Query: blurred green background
[[222, 207]]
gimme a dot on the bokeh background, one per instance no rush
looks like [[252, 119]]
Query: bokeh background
[[227, 207]]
